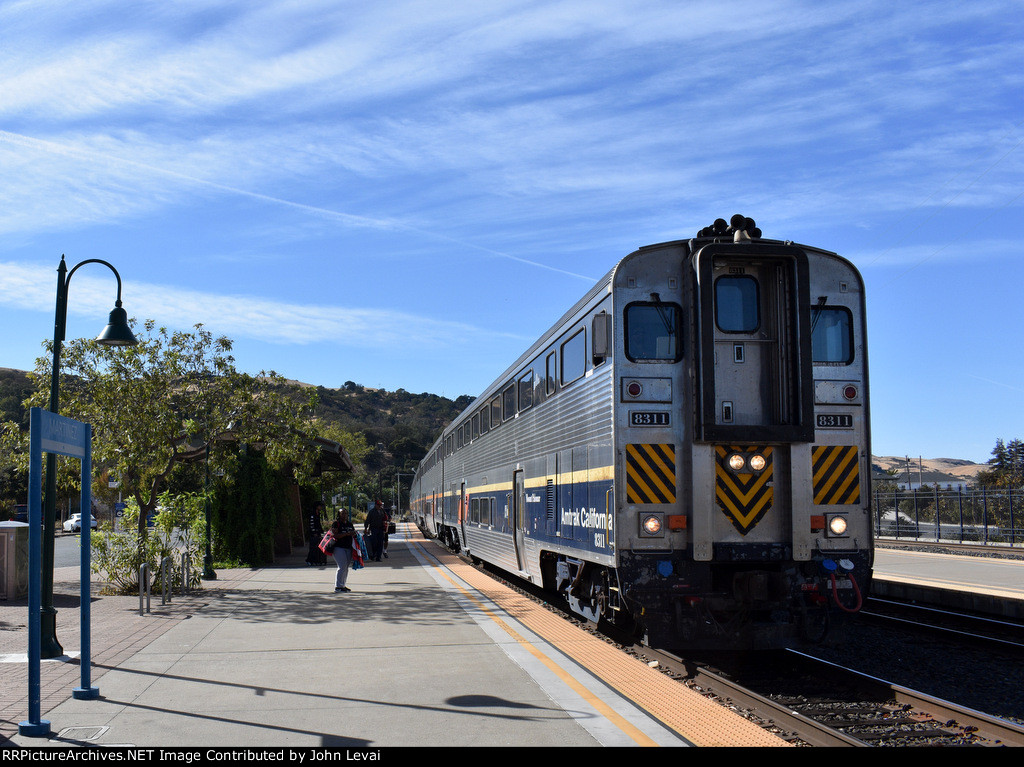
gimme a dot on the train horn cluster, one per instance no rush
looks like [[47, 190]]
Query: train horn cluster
[[736, 224]]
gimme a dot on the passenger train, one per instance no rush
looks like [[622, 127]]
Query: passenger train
[[685, 453]]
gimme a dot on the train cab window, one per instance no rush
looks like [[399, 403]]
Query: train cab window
[[832, 335], [496, 412], [652, 332], [574, 358], [526, 391], [737, 304], [549, 374], [508, 402]]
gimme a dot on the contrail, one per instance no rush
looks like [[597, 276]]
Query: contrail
[[348, 218], [997, 383]]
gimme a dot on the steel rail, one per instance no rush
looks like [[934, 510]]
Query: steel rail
[[990, 727]]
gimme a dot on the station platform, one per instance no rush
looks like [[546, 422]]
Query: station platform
[[991, 585], [424, 651]]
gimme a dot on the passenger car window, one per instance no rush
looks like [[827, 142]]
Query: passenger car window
[[737, 304], [832, 335], [549, 382], [508, 402], [525, 391], [652, 332], [574, 358]]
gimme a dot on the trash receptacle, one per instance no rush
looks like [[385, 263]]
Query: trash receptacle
[[13, 560]]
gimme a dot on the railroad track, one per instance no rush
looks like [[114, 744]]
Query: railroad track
[[971, 630], [814, 702]]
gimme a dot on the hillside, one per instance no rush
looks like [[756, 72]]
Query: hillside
[[406, 424], [941, 471]]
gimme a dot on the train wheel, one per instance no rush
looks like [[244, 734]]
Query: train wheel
[[588, 597]]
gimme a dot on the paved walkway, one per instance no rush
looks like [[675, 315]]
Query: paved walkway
[[424, 651], [118, 633], [274, 658]]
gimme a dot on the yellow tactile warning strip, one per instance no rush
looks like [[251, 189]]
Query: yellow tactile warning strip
[[694, 717]]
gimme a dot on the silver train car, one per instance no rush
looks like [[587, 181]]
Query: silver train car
[[685, 453]]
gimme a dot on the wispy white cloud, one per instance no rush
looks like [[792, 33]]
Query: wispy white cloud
[[570, 107], [250, 317]]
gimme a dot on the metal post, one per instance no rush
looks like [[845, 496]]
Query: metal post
[[51, 648], [984, 512], [917, 517], [34, 726], [165, 595], [896, 510], [86, 691], [208, 572], [1013, 528], [144, 586], [960, 510], [121, 336]]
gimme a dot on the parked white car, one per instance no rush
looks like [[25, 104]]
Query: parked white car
[[74, 523]]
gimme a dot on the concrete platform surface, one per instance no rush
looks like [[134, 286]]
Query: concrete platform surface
[[413, 656]]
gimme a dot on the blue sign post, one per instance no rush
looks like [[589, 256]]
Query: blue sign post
[[53, 433]]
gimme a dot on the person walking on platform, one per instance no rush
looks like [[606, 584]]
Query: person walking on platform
[[315, 528], [343, 532], [374, 527]]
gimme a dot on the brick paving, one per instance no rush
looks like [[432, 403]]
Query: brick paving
[[117, 630]]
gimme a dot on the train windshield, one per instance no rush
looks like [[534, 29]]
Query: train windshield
[[652, 332], [832, 335]]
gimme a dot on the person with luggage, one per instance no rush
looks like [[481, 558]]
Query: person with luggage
[[374, 526], [342, 532]]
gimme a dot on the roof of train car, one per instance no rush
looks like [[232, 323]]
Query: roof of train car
[[602, 285]]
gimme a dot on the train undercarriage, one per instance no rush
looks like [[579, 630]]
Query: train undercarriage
[[673, 602]]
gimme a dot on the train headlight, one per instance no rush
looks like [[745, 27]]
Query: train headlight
[[758, 462], [837, 525], [736, 462], [651, 524]]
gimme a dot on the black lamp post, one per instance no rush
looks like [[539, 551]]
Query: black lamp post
[[209, 573], [116, 333]]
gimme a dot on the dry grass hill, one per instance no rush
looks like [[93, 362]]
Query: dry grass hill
[[944, 471]]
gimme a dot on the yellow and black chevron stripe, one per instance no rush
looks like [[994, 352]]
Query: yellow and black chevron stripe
[[650, 473], [836, 472], [745, 498]]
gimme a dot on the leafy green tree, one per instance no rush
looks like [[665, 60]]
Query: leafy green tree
[[1007, 465], [167, 400], [248, 511]]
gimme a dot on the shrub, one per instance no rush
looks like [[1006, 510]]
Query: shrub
[[178, 529]]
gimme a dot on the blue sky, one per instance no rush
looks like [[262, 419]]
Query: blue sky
[[405, 194]]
